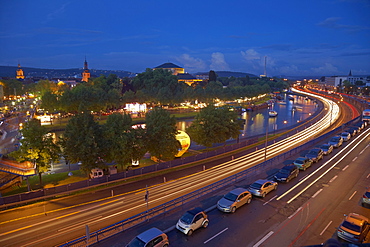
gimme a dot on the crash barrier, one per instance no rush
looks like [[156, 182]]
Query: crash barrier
[[248, 176]]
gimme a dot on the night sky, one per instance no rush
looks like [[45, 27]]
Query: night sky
[[298, 37]]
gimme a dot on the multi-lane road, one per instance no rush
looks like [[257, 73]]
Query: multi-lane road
[[305, 211], [54, 222]]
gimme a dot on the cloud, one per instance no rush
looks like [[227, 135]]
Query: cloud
[[191, 63], [57, 12], [218, 62], [250, 55], [326, 69], [332, 22]]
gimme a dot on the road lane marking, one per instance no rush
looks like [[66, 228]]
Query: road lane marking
[[352, 195], [216, 235], [270, 200], [324, 173], [295, 213], [263, 239], [317, 192], [354, 159], [331, 180], [368, 175], [345, 168], [326, 227], [308, 226], [303, 177]]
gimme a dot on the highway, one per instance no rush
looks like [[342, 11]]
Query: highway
[[305, 211], [37, 226]]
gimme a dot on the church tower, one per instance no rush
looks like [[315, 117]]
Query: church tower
[[20, 74], [85, 73]]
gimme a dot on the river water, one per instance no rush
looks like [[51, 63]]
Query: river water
[[289, 113]]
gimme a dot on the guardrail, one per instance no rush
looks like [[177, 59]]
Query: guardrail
[[247, 175]]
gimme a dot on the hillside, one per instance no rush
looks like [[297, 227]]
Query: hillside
[[10, 71], [229, 74]]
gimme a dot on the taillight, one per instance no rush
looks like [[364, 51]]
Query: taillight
[[364, 196], [339, 230]]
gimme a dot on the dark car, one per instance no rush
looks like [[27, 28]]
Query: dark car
[[315, 154], [352, 131], [336, 141], [287, 173], [360, 124], [327, 148]]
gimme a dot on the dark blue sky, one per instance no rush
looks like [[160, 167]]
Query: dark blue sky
[[298, 37]]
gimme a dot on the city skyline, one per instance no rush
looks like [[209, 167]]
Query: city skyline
[[297, 38]]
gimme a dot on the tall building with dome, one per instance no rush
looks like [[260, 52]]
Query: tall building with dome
[[20, 73], [86, 72], [180, 73]]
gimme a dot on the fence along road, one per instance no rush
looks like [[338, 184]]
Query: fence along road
[[70, 223]]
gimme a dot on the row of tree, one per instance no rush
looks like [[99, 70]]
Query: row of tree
[[85, 141]]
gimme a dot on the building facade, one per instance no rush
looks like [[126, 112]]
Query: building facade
[[86, 73]]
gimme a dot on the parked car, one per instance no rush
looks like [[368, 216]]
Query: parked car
[[327, 148], [261, 187], [366, 197], [360, 124], [192, 220], [352, 131], [302, 163], [234, 199], [354, 228], [152, 237], [336, 141], [287, 173], [346, 136], [315, 154]]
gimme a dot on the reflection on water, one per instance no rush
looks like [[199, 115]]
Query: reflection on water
[[289, 113]]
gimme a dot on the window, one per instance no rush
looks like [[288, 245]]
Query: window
[[157, 240]]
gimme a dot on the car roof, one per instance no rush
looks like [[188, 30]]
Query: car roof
[[238, 191], [301, 158], [289, 167], [345, 133], [195, 211], [356, 219], [262, 181], [149, 234], [315, 149]]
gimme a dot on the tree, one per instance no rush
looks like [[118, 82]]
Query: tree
[[212, 76], [37, 146], [123, 143], [49, 102], [161, 134], [83, 141], [214, 125]]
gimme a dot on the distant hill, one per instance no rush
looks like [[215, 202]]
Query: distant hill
[[229, 74], [10, 71]]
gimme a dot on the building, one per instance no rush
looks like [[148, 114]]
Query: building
[[337, 81], [86, 72], [171, 67], [20, 73], [180, 73]]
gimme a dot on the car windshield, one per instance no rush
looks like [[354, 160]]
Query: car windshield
[[284, 171], [231, 197], [324, 146], [187, 218], [313, 152], [136, 242], [351, 226], [299, 161], [367, 194], [334, 139], [256, 186]]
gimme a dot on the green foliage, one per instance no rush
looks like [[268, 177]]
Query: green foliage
[[83, 141], [214, 125], [49, 102], [161, 134], [123, 143], [12, 87], [37, 146]]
